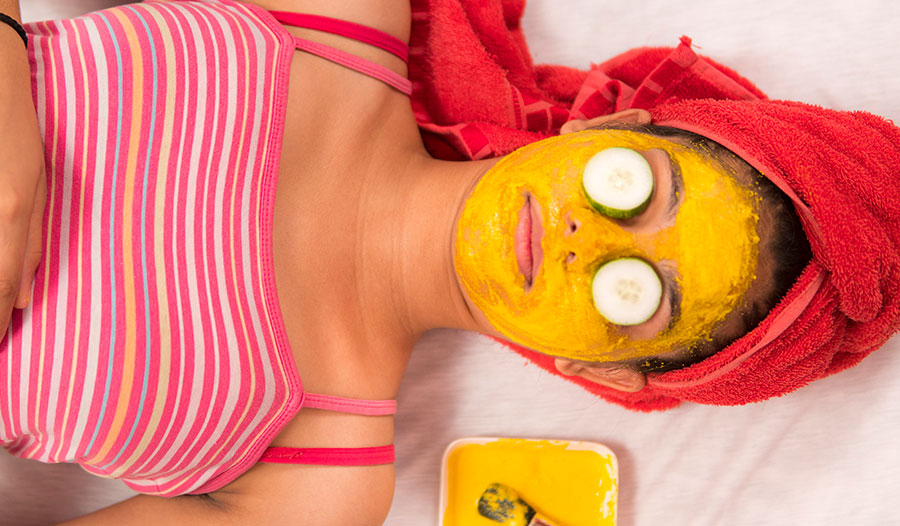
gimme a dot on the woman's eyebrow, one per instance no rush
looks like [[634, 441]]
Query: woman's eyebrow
[[677, 186], [674, 299]]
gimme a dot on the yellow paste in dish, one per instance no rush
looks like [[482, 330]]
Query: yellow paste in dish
[[572, 487]]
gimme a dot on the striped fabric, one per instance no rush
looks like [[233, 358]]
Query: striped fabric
[[154, 350]]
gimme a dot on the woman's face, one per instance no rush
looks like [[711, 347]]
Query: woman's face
[[698, 232]]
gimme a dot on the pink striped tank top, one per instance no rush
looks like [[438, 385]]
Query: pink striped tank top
[[154, 350]]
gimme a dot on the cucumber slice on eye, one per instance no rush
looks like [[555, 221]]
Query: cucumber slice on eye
[[627, 291], [618, 182]]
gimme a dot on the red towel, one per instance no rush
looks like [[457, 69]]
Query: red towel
[[477, 94]]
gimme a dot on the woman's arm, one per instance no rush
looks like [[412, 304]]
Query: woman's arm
[[22, 179], [269, 494]]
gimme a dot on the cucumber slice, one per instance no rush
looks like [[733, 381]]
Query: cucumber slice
[[618, 182], [627, 291]]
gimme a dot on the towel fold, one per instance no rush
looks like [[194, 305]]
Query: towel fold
[[477, 94]]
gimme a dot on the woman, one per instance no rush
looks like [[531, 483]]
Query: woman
[[355, 338]]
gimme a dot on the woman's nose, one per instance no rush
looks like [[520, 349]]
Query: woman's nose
[[572, 225], [594, 238]]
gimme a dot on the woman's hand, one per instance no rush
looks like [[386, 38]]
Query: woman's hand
[[23, 185]]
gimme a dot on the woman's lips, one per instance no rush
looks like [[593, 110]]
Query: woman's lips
[[529, 232]]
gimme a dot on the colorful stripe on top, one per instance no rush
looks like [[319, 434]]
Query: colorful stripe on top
[[154, 349]]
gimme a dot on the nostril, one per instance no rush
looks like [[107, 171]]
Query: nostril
[[572, 224], [570, 258]]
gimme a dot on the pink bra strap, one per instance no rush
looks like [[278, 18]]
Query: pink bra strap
[[330, 456], [337, 456], [350, 405], [357, 32], [376, 71]]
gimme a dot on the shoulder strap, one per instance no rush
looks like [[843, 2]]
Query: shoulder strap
[[376, 71], [337, 456], [349, 405], [330, 456], [356, 32]]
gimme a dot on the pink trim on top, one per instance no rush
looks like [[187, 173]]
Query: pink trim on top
[[328, 456], [283, 56], [376, 71], [350, 405], [357, 32], [366, 456]]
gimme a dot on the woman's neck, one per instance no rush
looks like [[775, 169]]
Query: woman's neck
[[417, 241], [365, 222]]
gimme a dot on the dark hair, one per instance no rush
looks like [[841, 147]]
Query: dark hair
[[787, 242]]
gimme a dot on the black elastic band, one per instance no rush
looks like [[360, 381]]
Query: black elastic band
[[13, 23]]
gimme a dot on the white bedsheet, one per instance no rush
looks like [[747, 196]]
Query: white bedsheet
[[827, 454]]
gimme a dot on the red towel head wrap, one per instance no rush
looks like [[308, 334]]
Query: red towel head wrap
[[841, 169]]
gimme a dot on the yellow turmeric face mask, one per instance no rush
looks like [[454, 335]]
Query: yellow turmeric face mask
[[700, 238]]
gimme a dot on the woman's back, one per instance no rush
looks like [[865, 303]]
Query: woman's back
[[154, 349]]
